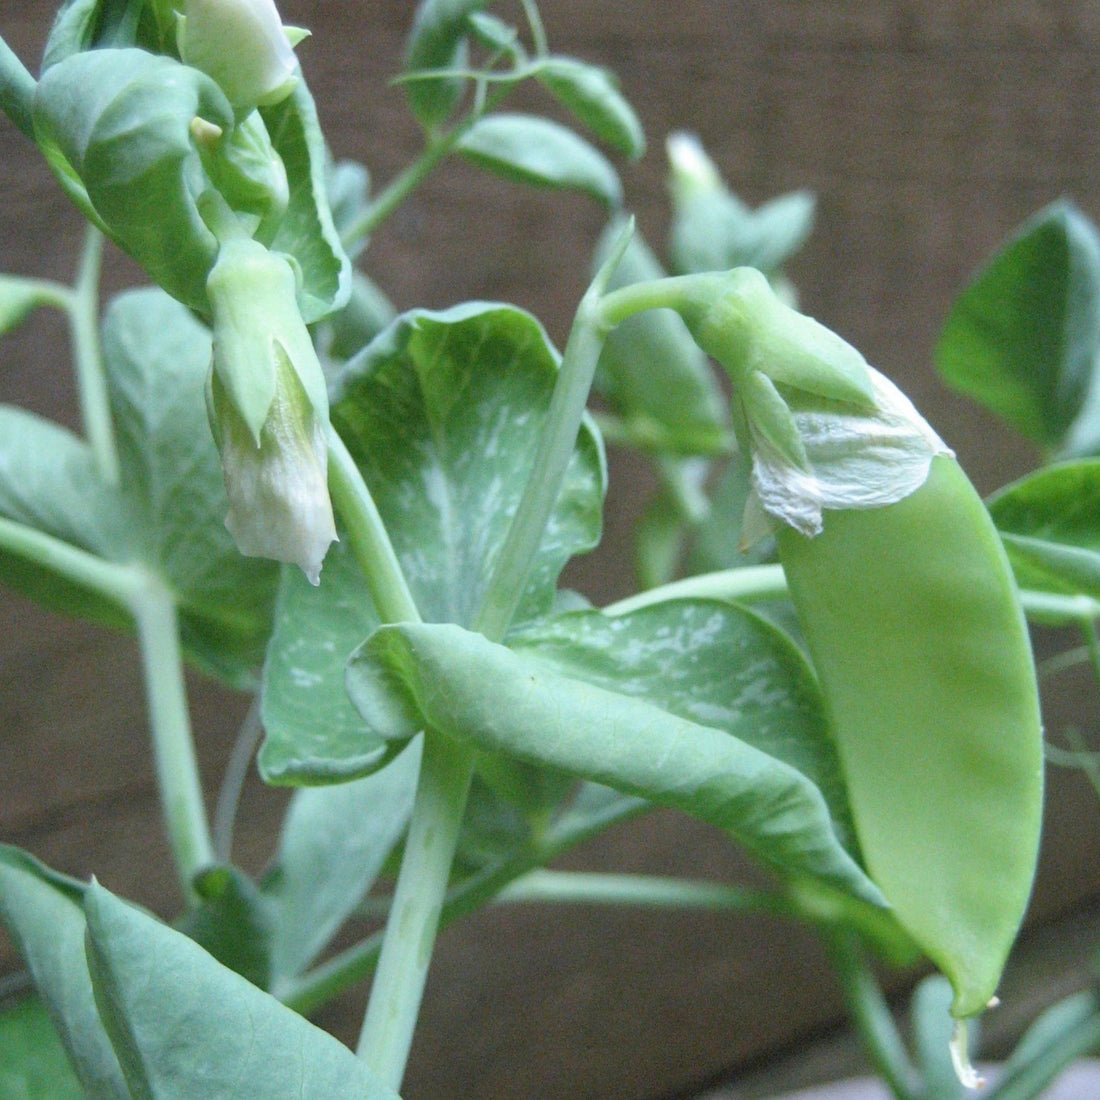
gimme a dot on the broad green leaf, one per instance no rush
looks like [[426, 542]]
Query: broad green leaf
[[43, 912], [592, 95], [712, 663], [540, 152], [457, 682], [441, 412], [1050, 524], [119, 120], [186, 1026], [158, 358], [49, 481], [312, 732], [307, 231], [1023, 337], [33, 1063], [335, 841], [652, 370], [437, 41], [233, 921]]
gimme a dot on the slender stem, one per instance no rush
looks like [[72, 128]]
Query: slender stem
[[1092, 644], [388, 1028], [369, 539], [117, 583], [750, 584], [88, 354], [236, 771], [177, 769], [873, 1018], [538, 32], [16, 90], [1051, 609], [649, 891], [555, 450]]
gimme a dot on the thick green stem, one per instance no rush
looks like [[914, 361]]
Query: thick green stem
[[177, 769], [751, 584], [445, 773], [88, 354]]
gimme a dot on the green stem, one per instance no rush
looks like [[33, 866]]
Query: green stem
[[16, 90], [176, 766], [367, 535], [1092, 643], [648, 891], [750, 584], [873, 1018], [555, 450], [90, 373], [386, 1038]]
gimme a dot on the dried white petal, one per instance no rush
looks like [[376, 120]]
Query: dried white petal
[[857, 458]]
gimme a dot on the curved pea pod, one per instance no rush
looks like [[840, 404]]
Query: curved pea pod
[[913, 621], [116, 127]]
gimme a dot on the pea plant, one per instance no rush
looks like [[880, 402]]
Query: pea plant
[[361, 518]]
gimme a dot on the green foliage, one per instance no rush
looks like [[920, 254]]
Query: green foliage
[[537, 151], [33, 1063], [1024, 337], [438, 41]]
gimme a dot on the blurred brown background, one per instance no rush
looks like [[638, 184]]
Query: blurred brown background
[[928, 129]]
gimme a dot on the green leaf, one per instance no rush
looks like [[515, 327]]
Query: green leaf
[[449, 403], [932, 1026], [1023, 337], [33, 1063], [186, 1026], [542, 153], [457, 682], [158, 358], [437, 41], [334, 843], [43, 912], [592, 95], [312, 732], [233, 921], [1050, 525], [307, 231], [119, 122], [86, 24], [443, 414], [49, 481], [652, 370], [712, 663]]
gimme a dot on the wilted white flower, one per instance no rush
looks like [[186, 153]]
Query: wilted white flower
[[268, 410]]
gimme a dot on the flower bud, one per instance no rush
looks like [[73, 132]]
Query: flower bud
[[242, 45], [268, 410]]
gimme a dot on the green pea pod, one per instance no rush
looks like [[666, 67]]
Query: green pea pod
[[115, 125], [913, 622]]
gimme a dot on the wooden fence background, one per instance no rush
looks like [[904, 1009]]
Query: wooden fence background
[[928, 129]]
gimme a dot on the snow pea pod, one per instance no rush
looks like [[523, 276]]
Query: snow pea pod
[[913, 623]]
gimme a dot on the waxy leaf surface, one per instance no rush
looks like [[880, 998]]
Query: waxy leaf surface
[[43, 912], [1023, 338], [483, 694], [537, 151], [186, 1026], [442, 414], [1050, 524]]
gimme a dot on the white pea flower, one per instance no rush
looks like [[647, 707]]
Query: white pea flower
[[243, 46]]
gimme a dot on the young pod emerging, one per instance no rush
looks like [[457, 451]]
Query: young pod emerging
[[913, 620]]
